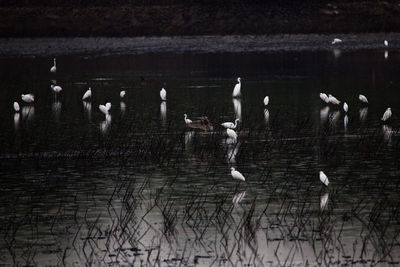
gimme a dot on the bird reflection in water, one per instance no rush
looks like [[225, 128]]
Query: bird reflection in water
[[324, 201], [266, 116], [324, 114], [237, 105], [28, 112], [238, 197], [16, 121], [105, 125], [363, 113], [163, 112]]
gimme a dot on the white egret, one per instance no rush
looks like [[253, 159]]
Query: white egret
[[336, 40], [16, 106], [187, 121], [87, 94], [237, 105], [266, 101], [323, 178], [387, 114], [53, 69], [236, 89], [345, 107], [28, 98], [386, 43], [232, 134], [237, 175], [363, 98], [122, 94], [56, 89], [324, 201], [163, 94], [230, 125], [324, 97], [105, 108], [333, 100]]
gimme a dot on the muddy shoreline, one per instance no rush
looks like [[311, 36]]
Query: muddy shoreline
[[199, 19], [196, 44]]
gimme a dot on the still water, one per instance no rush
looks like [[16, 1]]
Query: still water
[[140, 187]]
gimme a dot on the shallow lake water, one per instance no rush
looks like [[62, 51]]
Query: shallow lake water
[[140, 187]]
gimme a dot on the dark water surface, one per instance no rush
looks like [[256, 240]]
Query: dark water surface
[[142, 187]]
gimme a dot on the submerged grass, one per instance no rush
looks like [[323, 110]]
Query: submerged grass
[[265, 221]]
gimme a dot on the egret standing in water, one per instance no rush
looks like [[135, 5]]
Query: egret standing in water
[[230, 125], [386, 43], [163, 94], [333, 100], [53, 69], [16, 106], [187, 121], [336, 41], [28, 98], [105, 108], [324, 97], [323, 178], [345, 107], [266, 101], [236, 89], [237, 175], [87, 94], [387, 114], [363, 99], [122, 94], [232, 134]]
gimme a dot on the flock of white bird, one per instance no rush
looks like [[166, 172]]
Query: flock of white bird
[[230, 126]]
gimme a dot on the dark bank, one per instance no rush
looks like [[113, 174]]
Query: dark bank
[[28, 18]]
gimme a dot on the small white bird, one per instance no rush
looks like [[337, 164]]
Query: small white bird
[[333, 100], [237, 175], [16, 106], [236, 89], [56, 88], [336, 40], [28, 98], [163, 94], [266, 100], [53, 69], [386, 43], [87, 94], [230, 125], [345, 107], [232, 134], [363, 99], [323, 178], [187, 121], [387, 114], [105, 108], [122, 94], [324, 97]]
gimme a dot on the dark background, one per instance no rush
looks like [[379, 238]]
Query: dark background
[[33, 18]]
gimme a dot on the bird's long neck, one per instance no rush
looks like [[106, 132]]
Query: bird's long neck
[[236, 121], [54, 62]]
